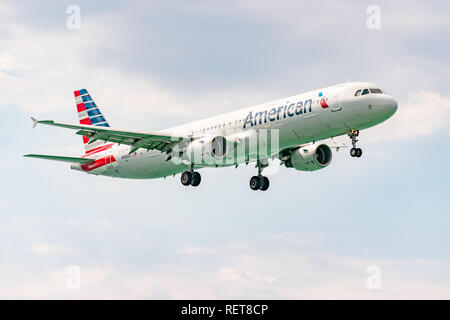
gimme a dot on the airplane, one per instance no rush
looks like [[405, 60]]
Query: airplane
[[288, 129]]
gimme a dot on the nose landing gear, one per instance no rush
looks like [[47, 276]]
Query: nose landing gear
[[259, 182], [354, 152]]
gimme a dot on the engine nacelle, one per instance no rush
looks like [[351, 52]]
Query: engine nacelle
[[310, 158], [207, 150]]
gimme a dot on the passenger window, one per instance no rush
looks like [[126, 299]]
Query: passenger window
[[365, 91], [357, 93], [375, 90]]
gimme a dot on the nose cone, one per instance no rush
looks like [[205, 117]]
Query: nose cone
[[385, 106], [393, 106]]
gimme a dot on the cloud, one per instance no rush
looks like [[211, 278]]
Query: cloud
[[45, 249], [57, 61], [226, 274], [42, 78], [422, 114], [279, 266], [197, 250]]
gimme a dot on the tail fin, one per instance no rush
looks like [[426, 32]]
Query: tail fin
[[90, 114]]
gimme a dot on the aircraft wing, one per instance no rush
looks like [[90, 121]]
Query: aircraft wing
[[147, 140], [63, 159]]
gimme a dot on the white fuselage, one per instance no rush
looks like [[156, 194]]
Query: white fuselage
[[299, 119]]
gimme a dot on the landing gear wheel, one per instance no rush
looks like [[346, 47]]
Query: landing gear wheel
[[186, 178], [196, 178], [264, 184], [255, 183], [260, 182], [356, 152]]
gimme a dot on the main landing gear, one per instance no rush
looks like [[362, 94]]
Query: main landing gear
[[191, 177], [354, 152], [259, 182]]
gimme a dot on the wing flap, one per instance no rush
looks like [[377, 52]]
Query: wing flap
[[59, 158]]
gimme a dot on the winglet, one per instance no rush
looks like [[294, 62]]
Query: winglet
[[35, 121]]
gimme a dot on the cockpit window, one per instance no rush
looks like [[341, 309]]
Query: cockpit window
[[357, 93], [365, 91], [375, 90]]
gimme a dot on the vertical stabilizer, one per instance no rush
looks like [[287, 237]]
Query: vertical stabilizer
[[89, 114]]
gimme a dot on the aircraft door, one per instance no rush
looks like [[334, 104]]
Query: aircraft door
[[336, 105]]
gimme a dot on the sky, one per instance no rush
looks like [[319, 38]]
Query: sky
[[152, 65]]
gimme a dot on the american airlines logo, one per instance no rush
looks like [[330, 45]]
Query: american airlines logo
[[282, 112], [323, 102]]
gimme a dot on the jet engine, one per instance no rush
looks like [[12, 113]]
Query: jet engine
[[207, 150], [310, 158]]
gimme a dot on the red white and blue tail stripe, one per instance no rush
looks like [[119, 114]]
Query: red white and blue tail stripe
[[89, 114]]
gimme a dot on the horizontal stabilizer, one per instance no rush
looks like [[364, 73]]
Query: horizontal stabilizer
[[62, 159]]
